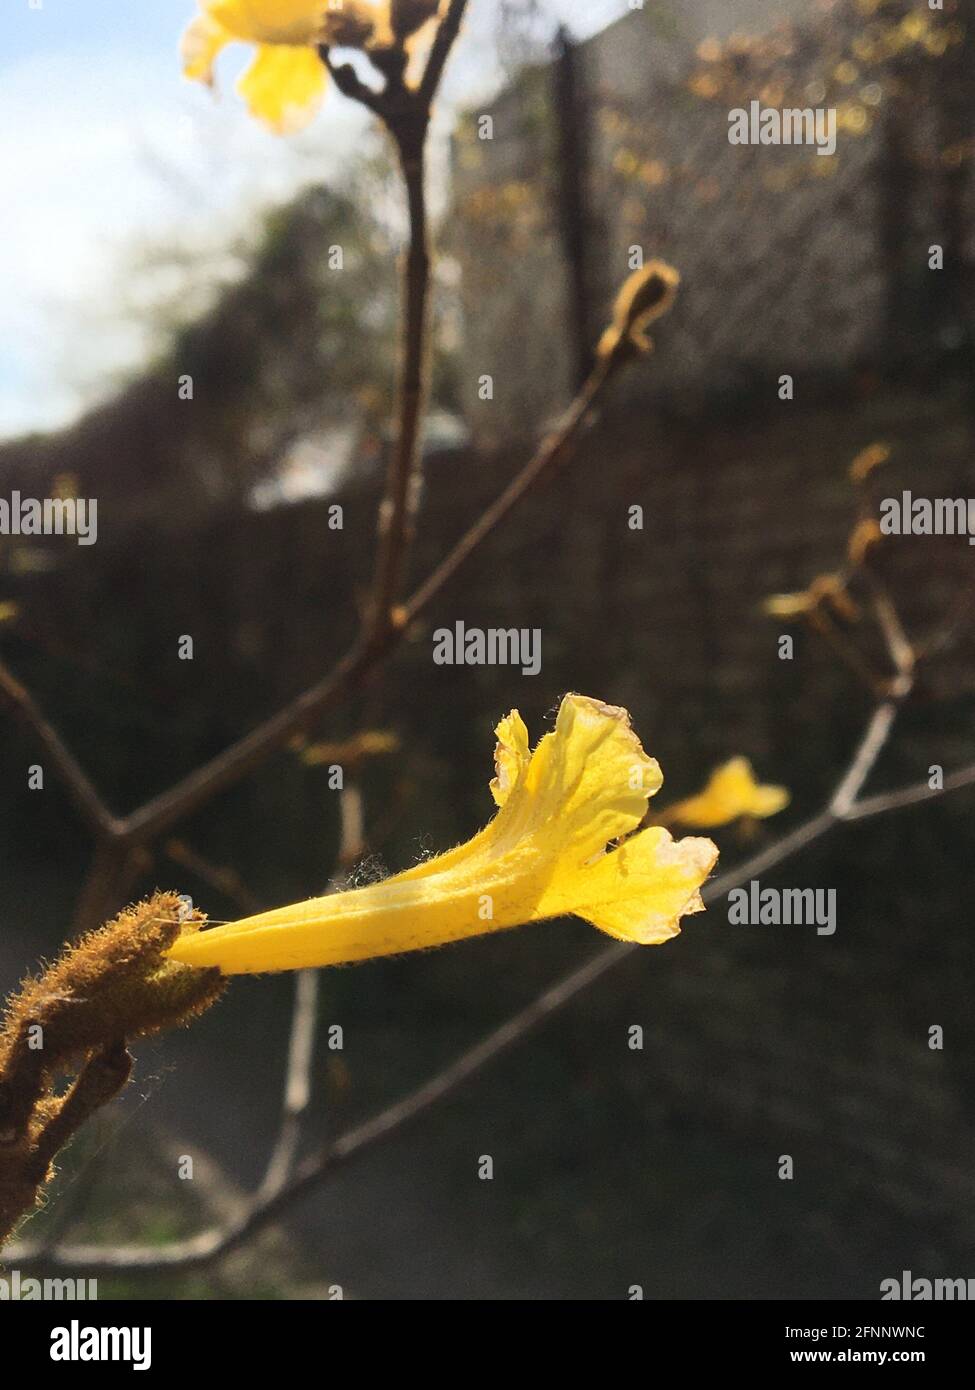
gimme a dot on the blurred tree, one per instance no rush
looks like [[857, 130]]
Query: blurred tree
[[301, 343]]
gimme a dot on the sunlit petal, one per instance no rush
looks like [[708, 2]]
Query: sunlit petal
[[284, 87]]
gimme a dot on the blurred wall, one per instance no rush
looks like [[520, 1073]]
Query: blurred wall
[[791, 262]]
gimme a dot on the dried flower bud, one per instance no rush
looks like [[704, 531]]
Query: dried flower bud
[[113, 985], [867, 460], [645, 295]]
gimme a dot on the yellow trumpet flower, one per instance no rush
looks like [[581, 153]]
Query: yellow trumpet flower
[[547, 853], [730, 794]]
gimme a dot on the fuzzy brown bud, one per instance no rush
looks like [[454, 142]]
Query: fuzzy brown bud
[[644, 296], [112, 986]]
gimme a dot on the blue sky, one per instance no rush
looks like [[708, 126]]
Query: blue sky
[[104, 147], [67, 23]]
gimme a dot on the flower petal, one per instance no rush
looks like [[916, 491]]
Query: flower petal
[[284, 86], [639, 891], [588, 782], [731, 793], [201, 42], [269, 21], [511, 756], [768, 801]]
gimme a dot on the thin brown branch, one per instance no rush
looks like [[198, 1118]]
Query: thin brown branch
[[112, 874], [225, 880], [900, 797], [898, 645], [947, 632], [228, 767], [397, 514], [304, 1019], [825, 626], [349, 84], [444, 40], [552, 452], [297, 1088], [65, 765], [99, 1081], [864, 760], [778, 852]]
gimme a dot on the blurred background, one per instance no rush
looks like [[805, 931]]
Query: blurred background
[[152, 232]]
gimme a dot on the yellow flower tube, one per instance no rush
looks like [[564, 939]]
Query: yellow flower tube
[[545, 854]]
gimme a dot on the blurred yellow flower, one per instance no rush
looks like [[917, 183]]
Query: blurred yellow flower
[[730, 794], [852, 117], [8, 610], [709, 50], [705, 85], [547, 853], [867, 460], [914, 26], [285, 83]]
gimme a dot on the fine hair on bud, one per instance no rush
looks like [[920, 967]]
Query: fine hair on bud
[[72, 1023]]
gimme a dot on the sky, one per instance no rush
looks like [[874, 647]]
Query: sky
[[105, 148]]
